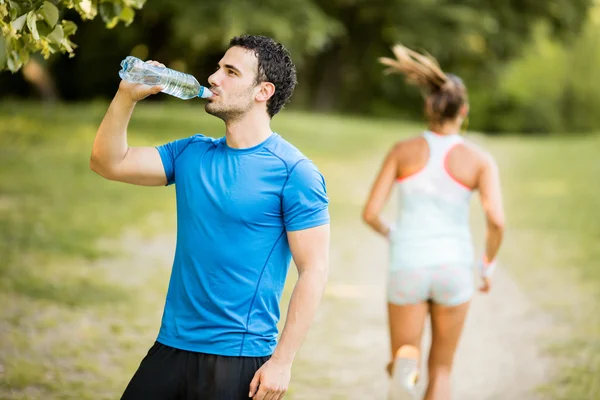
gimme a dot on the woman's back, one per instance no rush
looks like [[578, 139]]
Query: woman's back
[[436, 176]]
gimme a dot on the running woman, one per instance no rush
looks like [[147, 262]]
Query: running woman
[[431, 252]]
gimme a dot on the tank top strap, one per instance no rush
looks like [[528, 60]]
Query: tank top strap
[[439, 146]]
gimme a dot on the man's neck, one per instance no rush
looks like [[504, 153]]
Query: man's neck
[[248, 131]]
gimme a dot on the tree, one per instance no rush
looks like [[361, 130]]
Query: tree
[[35, 26], [335, 43], [473, 38]]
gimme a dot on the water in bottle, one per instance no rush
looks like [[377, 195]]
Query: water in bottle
[[175, 83]]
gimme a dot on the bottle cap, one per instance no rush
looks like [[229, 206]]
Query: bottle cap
[[205, 92]]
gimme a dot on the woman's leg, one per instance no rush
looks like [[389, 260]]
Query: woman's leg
[[446, 327], [406, 323]]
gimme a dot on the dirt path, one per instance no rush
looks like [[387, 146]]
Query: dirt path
[[345, 354]]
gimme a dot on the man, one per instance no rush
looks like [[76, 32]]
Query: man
[[246, 204]]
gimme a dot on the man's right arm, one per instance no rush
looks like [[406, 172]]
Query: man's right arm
[[111, 156]]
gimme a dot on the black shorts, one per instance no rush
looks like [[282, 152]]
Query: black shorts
[[167, 373]]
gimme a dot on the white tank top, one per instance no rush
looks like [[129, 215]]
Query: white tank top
[[432, 226]]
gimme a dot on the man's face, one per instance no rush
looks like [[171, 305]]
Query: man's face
[[233, 84]]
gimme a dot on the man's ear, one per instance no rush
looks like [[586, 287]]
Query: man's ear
[[267, 90]]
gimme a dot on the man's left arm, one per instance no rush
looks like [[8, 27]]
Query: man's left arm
[[307, 221], [310, 250]]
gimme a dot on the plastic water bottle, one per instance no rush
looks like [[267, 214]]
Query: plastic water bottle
[[175, 83]]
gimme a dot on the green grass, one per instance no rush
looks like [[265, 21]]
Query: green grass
[[552, 247], [75, 322]]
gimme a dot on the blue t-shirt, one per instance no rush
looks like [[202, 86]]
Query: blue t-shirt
[[234, 207]]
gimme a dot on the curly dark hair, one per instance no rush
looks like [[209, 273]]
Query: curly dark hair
[[274, 65]]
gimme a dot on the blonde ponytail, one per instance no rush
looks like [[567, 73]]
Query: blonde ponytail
[[446, 92]]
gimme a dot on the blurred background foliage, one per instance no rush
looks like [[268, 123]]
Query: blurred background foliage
[[529, 65]]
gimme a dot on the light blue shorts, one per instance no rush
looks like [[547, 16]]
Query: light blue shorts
[[447, 285]]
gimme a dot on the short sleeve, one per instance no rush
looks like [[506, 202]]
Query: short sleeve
[[169, 153], [305, 202]]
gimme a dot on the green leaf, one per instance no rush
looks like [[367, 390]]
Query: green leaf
[[18, 23], [57, 35], [138, 3], [53, 48], [31, 24], [127, 15], [69, 27], [117, 8], [69, 46], [24, 56], [50, 13], [14, 62], [107, 12], [88, 9], [11, 65], [43, 28], [15, 10]]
